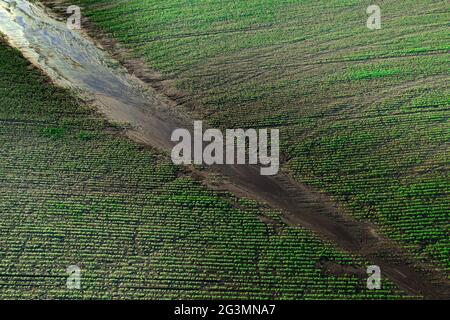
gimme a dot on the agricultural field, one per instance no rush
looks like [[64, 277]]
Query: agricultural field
[[363, 114], [74, 191]]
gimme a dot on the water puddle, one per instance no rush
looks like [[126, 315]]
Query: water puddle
[[72, 60]]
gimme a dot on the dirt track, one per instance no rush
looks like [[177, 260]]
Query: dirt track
[[126, 99]]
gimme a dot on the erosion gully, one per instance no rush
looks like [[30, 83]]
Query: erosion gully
[[74, 60]]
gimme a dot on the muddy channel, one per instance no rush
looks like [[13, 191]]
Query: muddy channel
[[73, 60]]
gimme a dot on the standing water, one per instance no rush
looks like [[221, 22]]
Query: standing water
[[72, 60]]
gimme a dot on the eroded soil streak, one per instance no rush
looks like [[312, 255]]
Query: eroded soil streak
[[73, 60]]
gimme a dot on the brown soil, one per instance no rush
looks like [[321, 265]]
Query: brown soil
[[300, 204]]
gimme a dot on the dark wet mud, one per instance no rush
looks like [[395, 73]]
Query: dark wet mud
[[73, 60]]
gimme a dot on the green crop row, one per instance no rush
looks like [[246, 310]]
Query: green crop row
[[363, 115], [74, 192]]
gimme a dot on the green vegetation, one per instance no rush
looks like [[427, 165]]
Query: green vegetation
[[363, 114], [371, 74], [74, 192]]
